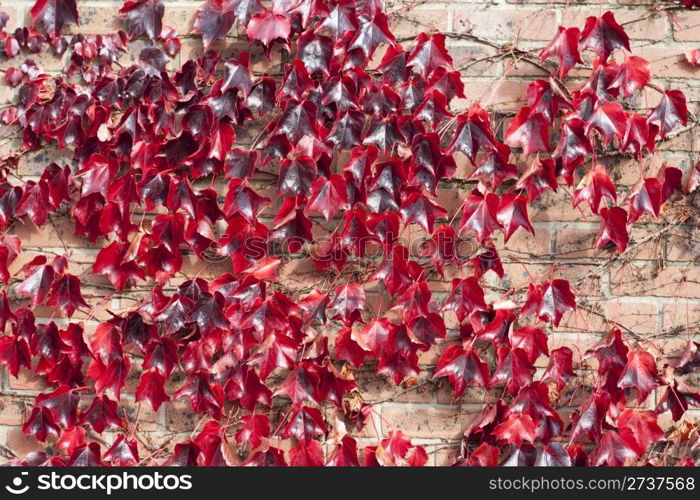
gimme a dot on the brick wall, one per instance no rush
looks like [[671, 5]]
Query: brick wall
[[654, 291]]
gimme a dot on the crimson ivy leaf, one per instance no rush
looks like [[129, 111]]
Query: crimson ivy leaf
[[480, 214], [540, 176], [529, 130], [429, 54], [595, 186], [344, 454], [613, 228], [255, 428], [564, 46], [305, 424], [14, 353], [646, 197], [512, 214], [151, 389], [349, 302], [643, 426], [462, 367], [672, 110], [123, 452], [549, 300], [214, 20], [559, 368], [466, 296], [143, 17], [639, 373], [306, 454], [63, 404], [610, 119], [516, 429], [268, 26], [603, 34], [37, 282], [416, 207], [65, 294], [41, 424], [54, 14], [329, 196], [588, 421], [371, 33], [615, 449], [113, 261], [101, 414], [634, 74]]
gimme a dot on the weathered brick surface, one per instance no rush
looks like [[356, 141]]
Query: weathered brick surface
[[654, 289]]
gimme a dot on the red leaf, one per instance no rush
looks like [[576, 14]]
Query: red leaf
[[65, 294], [143, 17], [549, 300], [255, 428], [305, 424], [114, 262], [462, 368], [610, 119], [329, 196], [466, 296], [344, 454], [14, 353], [634, 75], [516, 429], [646, 197], [559, 368], [642, 425], [151, 389], [512, 214], [416, 207], [588, 421], [429, 54], [480, 214], [306, 454], [371, 34], [602, 35], [54, 14], [613, 228], [615, 450], [595, 186], [213, 21], [670, 112], [101, 414], [268, 26], [41, 424], [639, 373], [123, 452], [529, 130], [62, 403], [564, 46], [349, 302]]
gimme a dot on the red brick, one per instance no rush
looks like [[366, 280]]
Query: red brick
[[418, 20], [20, 444], [12, 410], [686, 26], [683, 245], [640, 317], [426, 422], [649, 281], [679, 314], [505, 24]]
